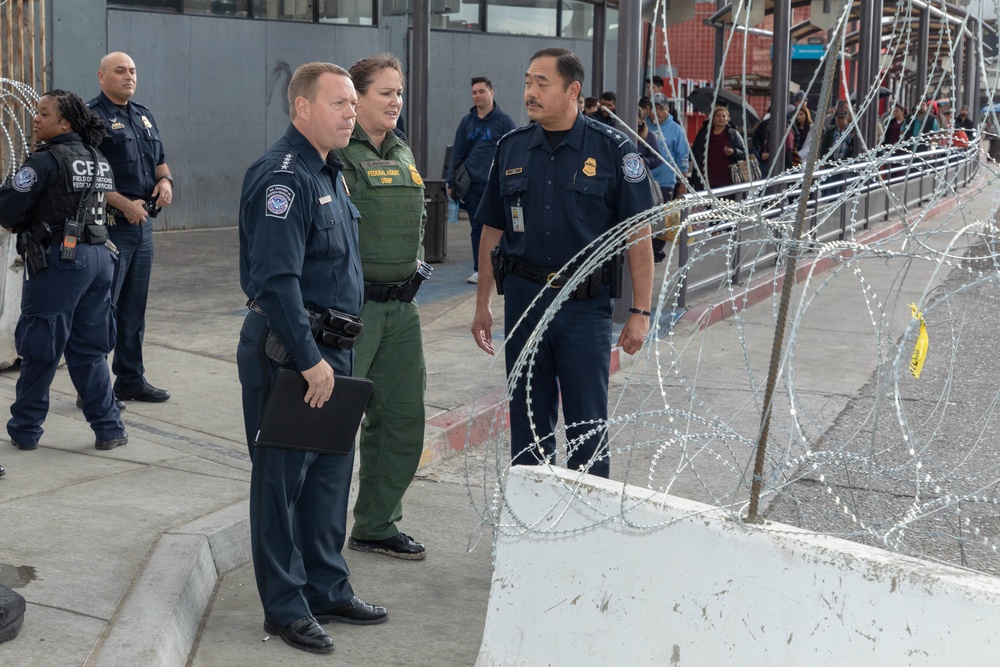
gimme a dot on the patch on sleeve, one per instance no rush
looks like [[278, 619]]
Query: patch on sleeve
[[24, 179], [279, 200], [634, 168]]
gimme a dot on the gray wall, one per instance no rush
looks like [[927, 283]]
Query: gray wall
[[217, 85]]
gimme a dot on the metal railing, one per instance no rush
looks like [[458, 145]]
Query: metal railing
[[764, 211]]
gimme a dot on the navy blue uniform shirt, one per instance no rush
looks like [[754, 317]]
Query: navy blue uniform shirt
[[568, 197], [132, 147], [298, 242]]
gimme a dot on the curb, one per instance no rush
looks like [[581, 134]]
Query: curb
[[158, 620]]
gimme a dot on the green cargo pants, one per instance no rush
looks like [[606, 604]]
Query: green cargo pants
[[390, 353]]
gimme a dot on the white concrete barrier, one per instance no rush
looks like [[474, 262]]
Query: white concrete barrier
[[11, 273], [705, 591]]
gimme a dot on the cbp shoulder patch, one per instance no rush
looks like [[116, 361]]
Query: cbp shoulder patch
[[279, 200], [24, 179], [633, 168]]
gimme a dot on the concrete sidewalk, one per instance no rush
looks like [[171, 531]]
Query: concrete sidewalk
[[119, 553]]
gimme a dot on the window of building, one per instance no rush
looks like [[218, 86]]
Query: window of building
[[154, 5], [348, 12], [522, 17], [218, 7], [577, 20], [283, 10], [445, 14], [351, 12]]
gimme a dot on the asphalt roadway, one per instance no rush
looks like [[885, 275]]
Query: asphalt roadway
[[83, 531]]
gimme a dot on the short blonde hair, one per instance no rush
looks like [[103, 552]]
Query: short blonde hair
[[304, 81]]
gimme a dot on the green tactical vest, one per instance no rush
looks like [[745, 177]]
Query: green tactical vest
[[389, 193]]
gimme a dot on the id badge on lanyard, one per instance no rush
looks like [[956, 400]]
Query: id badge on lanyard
[[517, 216]]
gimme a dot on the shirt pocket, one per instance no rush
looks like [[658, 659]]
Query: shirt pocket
[[124, 149], [513, 190], [587, 198], [328, 231]]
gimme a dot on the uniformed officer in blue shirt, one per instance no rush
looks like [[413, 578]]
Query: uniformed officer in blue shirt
[[134, 149], [299, 251], [65, 297], [555, 186]]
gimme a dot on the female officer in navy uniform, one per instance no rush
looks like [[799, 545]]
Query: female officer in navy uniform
[[66, 305]]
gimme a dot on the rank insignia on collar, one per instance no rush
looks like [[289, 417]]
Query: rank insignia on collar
[[590, 167]]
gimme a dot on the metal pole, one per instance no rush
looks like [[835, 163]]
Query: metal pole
[[720, 43], [870, 32], [780, 76], [419, 68], [921, 55], [971, 92], [600, 48], [629, 44], [958, 86]]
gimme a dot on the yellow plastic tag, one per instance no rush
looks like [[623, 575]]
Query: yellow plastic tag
[[920, 349]]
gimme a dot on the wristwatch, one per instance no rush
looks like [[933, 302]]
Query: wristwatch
[[169, 178]]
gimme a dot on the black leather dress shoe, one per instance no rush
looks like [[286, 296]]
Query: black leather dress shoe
[[111, 444], [144, 392], [304, 634], [118, 404], [398, 546], [356, 612]]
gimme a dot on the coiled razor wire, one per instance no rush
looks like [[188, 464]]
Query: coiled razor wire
[[911, 465], [17, 101]]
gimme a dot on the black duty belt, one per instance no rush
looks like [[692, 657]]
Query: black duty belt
[[404, 292], [254, 307], [383, 291], [542, 276], [56, 237]]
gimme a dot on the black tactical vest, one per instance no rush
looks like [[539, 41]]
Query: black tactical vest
[[76, 170]]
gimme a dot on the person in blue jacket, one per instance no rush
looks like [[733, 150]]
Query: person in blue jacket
[[475, 141], [299, 253]]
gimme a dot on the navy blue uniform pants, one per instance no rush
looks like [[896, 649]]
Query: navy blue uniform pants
[[471, 203], [298, 500], [573, 359], [131, 288], [66, 310]]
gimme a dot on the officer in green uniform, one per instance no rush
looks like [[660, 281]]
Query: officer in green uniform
[[387, 189]]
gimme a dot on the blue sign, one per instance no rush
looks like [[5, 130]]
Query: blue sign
[[808, 51]]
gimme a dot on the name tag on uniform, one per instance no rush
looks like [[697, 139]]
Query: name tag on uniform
[[517, 218], [383, 173], [325, 199]]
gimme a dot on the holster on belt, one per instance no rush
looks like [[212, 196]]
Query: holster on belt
[[404, 292], [501, 267], [329, 327], [33, 246]]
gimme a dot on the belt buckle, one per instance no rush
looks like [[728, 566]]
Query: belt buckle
[[551, 280]]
